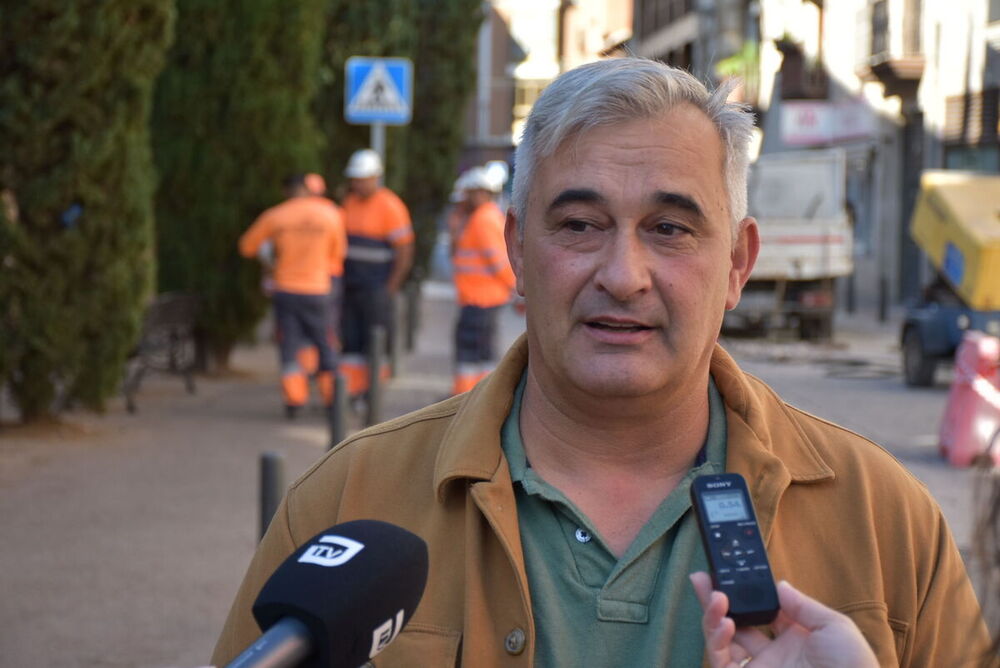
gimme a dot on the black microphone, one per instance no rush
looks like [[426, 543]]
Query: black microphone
[[340, 599]]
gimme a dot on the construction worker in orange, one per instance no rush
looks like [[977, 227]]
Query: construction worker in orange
[[484, 280], [307, 234], [308, 355], [379, 257]]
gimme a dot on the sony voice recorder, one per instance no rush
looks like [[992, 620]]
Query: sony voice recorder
[[736, 556]]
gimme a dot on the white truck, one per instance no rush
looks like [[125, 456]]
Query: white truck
[[798, 199]]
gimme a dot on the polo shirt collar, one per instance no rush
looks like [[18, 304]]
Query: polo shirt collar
[[765, 443]]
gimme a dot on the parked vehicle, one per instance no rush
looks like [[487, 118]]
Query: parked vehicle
[[956, 223], [799, 202]]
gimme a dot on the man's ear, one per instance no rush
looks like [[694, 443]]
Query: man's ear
[[515, 248], [746, 246]]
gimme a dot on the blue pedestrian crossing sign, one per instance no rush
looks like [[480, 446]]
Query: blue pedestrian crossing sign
[[378, 90]]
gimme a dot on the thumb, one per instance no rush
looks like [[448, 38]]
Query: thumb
[[805, 610]]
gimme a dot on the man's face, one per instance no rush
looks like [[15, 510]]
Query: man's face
[[476, 197], [364, 187], [627, 260]]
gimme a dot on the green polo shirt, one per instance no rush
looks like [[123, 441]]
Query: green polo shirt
[[591, 609]]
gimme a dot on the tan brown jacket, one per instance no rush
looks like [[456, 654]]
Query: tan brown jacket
[[844, 522]]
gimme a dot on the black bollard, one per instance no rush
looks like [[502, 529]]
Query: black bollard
[[397, 305], [883, 298], [376, 353], [338, 410], [272, 482], [412, 291]]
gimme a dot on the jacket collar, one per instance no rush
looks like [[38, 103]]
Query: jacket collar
[[765, 443]]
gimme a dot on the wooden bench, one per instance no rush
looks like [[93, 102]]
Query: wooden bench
[[166, 344]]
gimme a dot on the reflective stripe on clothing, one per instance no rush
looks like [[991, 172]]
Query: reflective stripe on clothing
[[375, 226], [369, 253], [364, 308], [488, 270], [295, 389], [465, 381], [475, 346], [369, 263], [301, 325], [483, 275], [355, 371], [475, 335]]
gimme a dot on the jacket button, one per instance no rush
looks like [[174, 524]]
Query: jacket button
[[514, 642]]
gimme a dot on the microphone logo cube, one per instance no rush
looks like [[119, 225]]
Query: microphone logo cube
[[331, 551], [385, 634]]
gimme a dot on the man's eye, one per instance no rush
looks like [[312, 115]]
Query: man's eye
[[668, 229], [576, 225]]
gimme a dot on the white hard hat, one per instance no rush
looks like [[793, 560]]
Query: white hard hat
[[363, 164], [499, 170], [458, 190], [481, 178]]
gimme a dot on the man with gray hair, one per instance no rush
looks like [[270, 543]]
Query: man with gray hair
[[554, 495]]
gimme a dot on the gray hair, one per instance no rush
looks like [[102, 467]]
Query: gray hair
[[626, 89]]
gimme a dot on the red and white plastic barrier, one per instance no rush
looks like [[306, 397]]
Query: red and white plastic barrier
[[972, 416]]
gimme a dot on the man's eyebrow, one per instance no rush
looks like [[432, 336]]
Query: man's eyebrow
[[577, 195], [677, 200]]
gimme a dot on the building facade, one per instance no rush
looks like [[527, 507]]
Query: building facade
[[901, 85], [522, 46]]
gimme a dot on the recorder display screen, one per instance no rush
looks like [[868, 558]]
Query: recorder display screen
[[725, 507]]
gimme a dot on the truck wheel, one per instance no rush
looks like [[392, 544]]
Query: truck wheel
[[918, 368]]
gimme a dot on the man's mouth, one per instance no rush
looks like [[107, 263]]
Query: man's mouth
[[610, 326]]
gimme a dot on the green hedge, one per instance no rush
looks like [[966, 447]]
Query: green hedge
[[76, 184], [232, 117], [439, 36]]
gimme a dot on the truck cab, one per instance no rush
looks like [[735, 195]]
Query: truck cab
[[956, 223], [798, 199]]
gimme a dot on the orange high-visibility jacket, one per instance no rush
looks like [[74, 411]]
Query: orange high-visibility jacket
[[309, 242], [376, 226], [483, 275]]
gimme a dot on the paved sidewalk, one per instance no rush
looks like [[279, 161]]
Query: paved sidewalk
[[125, 536]]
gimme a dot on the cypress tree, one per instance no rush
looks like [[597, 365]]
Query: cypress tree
[[439, 36], [383, 29], [232, 117], [76, 184], [444, 79]]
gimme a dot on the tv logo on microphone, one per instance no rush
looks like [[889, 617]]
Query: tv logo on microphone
[[385, 634], [333, 551]]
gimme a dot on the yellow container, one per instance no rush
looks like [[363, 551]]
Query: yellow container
[[957, 223]]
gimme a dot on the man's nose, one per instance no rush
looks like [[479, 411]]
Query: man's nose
[[624, 271]]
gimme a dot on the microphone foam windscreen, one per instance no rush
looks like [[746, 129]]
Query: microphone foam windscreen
[[354, 586]]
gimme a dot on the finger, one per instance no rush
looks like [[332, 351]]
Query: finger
[[752, 640], [702, 584], [782, 623], [805, 610], [719, 631]]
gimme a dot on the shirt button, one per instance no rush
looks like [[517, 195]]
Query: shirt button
[[583, 535], [514, 642]]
